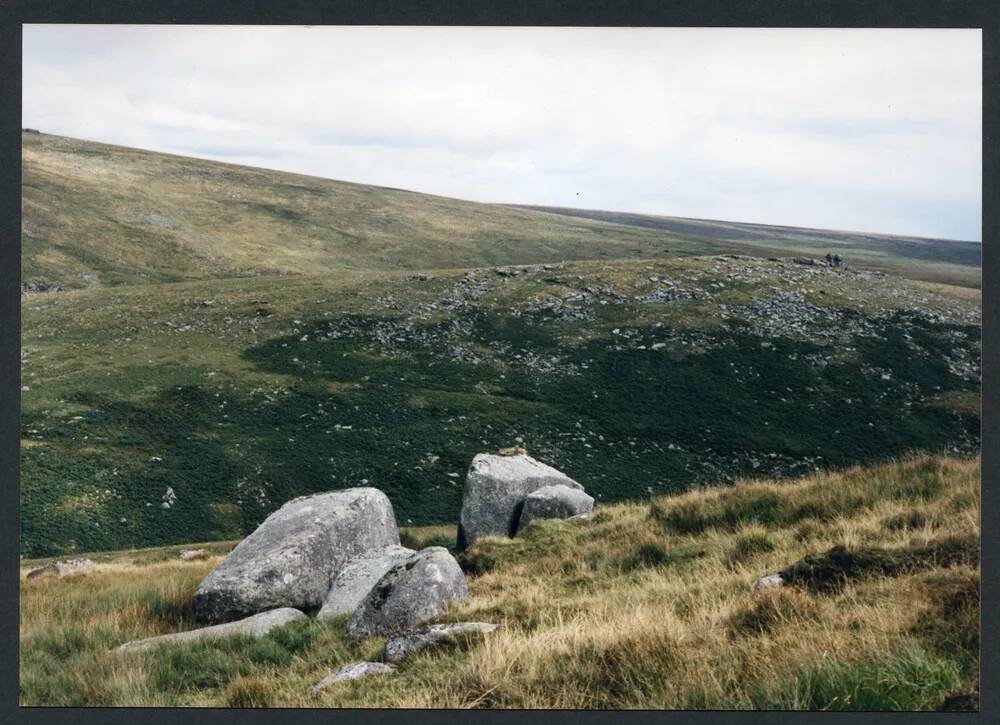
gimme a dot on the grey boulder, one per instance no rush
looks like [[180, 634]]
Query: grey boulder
[[411, 592], [292, 558], [402, 645], [357, 578], [353, 671], [256, 626], [768, 581], [495, 489], [64, 567], [555, 502]]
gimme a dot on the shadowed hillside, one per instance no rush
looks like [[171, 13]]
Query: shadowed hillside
[[941, 260]]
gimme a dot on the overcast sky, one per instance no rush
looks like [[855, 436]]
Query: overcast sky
[[876, 130]]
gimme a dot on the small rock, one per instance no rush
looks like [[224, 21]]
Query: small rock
[[768, 581], [256, 626], [403, 645], [65, 567], [354, 671]]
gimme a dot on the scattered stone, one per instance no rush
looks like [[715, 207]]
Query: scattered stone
[[402, 645], [64, 567], [768, 581], [189, 554], [412, 592], [555, 502], [292, 558], [357, 578], [256, 626], [354, 671], [495, 488], [41, 287]]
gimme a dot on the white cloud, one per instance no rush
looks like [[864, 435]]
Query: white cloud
[[864, 129]]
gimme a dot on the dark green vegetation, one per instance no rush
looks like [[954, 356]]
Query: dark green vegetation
[[633, 377], [235, 347], [916, 257], [832, 569]]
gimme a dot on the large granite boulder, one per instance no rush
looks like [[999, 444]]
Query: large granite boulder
[[555, 502], [403, 645], [411, 592], [357, 578], [292, 558], [495, 489], [256, 626]]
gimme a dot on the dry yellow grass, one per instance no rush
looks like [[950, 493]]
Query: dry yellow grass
[[647, 605]]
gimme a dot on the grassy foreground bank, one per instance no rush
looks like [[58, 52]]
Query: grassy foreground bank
[[647, 605]]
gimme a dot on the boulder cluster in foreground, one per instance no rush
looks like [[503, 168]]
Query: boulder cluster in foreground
[[338, 554]]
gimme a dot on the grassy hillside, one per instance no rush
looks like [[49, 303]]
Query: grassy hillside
[[941, 260], [647, 605], [96, 214], [635, 377]]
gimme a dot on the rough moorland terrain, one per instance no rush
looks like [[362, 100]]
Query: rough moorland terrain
[[644, 605], [189, 411]]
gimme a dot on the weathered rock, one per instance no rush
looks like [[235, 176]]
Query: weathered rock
[[256, 626], [357, 578], [768, 581], [555, 502], [411, 592], [403, 645], [65, 567], [293, 557], [189, 554], [495, 488], [354, 671]]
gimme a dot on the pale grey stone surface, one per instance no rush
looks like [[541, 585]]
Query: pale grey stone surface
[[64, 567], [354, 671], [412, 592], [293, 557], [495, 488], [768, 581], [555, 502], [256, 626], [357, 578], [402, 645]]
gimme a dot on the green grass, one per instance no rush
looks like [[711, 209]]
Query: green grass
[[612, 612], [241, 394], [97, 215]]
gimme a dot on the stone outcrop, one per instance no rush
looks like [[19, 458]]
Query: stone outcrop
[[293, 557], [412, 592], [64, 567], [256, 626], [495, 489], [555, 502], [402, 645], [357, 578]]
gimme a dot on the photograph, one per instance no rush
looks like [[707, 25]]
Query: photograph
[[448, 367]]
